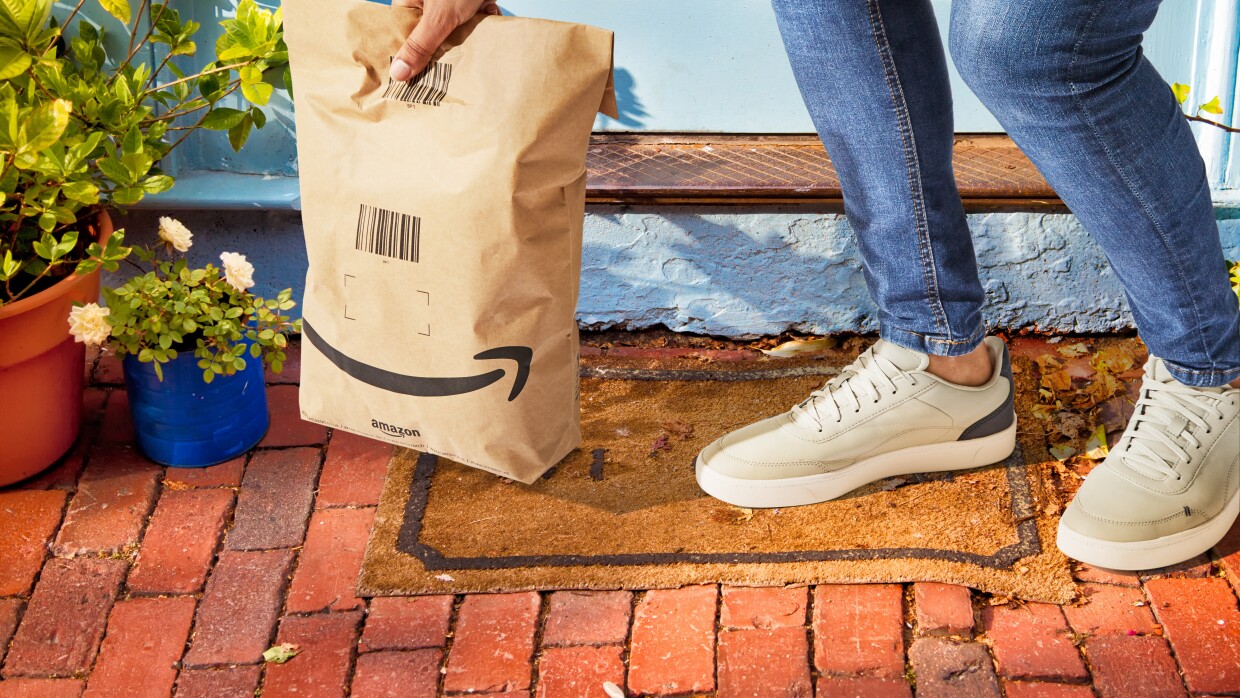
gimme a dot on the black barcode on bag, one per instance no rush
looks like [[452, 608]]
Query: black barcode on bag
[[388, 233], [427, 87]]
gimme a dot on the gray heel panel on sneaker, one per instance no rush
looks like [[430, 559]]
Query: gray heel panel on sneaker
[[1003, 415]]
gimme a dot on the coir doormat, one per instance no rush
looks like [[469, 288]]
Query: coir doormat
[[624, 511]]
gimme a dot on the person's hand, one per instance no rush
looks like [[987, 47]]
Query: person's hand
[[439, 18]]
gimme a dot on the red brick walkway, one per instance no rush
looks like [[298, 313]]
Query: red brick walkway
[[121, 578]]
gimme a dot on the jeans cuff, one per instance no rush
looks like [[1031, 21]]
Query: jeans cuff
[[928, 344], [1213, 378]]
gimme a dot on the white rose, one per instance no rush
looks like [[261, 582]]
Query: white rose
[[237, 272], [88, 323], [173, 232]]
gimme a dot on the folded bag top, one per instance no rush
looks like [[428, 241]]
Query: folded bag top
[[443, 220]]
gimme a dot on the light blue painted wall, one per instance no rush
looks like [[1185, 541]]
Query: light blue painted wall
[[742, 272]]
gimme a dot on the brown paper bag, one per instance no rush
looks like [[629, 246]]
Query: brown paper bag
[[443, 224]]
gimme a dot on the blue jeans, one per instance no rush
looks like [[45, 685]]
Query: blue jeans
[[1068, 82]]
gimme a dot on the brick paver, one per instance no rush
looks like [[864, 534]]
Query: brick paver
[[862, 687], [287, 426], [60, 631], [493, 643], [1203, 624], [763, 607], [943, 609], [28, 520], [406, 623], [331, 559], [587, 618], [180, 541], [859, 629], [226, 474], [1135, 665], [397, 674], [275, 499], [354, 471], [241, 681], [673, 641], [143, 646], [1032, 641], [9, 610], [114, 497], [239, 609], [1110, 609], [764, 662], [321, 667], [579, 671], [41, 688], [947, 669], [1038, 689]]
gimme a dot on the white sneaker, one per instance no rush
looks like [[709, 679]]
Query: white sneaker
[[883, 415], [1169, 489]]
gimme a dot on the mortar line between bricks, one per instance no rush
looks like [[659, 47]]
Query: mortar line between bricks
[[350, 669], [626, 651], [453, 615], [811, 639], [536, 651], [909, 630], [1179, 668]]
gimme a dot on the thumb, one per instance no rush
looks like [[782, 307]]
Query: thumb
[[420, 45]]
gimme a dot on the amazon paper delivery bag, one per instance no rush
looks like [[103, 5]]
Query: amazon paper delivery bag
[[443, 225]]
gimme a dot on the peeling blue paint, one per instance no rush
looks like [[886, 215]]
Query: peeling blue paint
[[749, 271]]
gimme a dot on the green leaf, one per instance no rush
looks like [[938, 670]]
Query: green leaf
[[81, 191], [1212, 107], [46, 125], [281, 653], [156, 184], [118, 9], [237, 135], [13, 59], [23, 19], [257, 92], [132, 142], [114, 170], [222, 118], [1181, 91]]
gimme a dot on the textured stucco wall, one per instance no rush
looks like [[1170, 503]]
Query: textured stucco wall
[[746, 271]]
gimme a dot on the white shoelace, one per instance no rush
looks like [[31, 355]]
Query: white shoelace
[[870, 377], [1159, 439]]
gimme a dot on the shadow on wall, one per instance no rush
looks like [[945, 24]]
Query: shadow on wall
[[632, 112]]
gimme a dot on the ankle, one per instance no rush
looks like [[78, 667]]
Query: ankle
[[972, 369]]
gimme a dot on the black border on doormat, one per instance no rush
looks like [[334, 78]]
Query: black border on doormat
[[408, 539]]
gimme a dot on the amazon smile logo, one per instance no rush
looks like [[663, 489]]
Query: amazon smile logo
[[427, 386], [393, 429]]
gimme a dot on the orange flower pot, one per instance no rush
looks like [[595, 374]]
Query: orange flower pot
[[41, 371]]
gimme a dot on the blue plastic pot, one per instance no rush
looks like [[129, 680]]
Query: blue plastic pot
[[185, 422]]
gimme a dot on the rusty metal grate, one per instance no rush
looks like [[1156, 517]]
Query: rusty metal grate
[[624, 168]]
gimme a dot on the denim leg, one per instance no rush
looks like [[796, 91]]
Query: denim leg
[[873, 75], [1068, 81]]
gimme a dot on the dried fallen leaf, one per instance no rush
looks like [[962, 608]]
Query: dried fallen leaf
[[1057, 380], [797, 347], [1069, 425], [1062, 452], [1096, 446], [660, 444], [678, 428], [745, 515], [281, 653], [1116, 359], [894, 483], [1073, 350]]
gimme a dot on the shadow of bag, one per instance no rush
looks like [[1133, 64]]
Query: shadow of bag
[[443, 221]]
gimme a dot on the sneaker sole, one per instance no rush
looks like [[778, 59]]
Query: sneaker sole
[[1149, 554], [812, 489]]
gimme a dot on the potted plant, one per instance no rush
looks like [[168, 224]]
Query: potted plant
[[193, 344], [84, 129]]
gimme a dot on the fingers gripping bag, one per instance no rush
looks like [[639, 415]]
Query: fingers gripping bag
[[443, 221]]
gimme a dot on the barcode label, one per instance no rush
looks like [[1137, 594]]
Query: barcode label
[[427, 87], [388, 233]]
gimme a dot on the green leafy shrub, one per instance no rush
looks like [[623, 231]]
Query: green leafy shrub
[[172, 308], [82, 130]]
